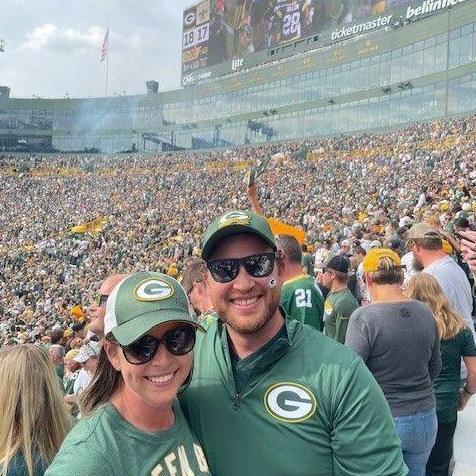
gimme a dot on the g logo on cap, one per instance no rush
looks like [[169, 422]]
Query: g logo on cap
[[153, 290], [236, 217], [290, 402]]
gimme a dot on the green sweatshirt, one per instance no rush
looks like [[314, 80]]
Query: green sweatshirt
[[306, 406]]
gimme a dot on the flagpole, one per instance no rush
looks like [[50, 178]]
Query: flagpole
[[105, 56], [107, 67], [107, 59]]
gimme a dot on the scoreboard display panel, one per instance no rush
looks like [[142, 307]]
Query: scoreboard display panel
[[220, 31], [196, 34]]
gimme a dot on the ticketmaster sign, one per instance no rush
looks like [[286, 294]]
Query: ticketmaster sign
[[361, 27]]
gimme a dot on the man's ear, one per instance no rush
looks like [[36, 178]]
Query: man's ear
[[281, 262], [197, 286]]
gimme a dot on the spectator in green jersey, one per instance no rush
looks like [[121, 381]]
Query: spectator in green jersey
[[306, 261], [340, 303], [301, 298]]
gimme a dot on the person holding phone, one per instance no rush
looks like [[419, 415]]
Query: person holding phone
[[468, 248]]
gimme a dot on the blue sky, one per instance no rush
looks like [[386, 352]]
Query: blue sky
[[52, 47]]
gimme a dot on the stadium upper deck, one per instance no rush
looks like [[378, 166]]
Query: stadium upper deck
[[415, 71]]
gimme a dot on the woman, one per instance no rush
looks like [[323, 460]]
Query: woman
[[398, 340], [456, 342], [132, 423], [33, 417]]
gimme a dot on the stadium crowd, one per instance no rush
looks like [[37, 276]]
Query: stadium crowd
[[157, 206], [75, 226]]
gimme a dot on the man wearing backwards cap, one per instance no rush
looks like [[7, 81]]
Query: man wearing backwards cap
[[270, 395], [340, 303], [133, 424]]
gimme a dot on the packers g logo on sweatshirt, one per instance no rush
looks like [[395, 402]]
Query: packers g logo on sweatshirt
[[290, 402]]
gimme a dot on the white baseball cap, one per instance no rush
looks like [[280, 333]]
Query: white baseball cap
[[86, 351]]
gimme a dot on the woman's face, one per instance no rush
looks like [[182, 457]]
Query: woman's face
[[154, 383]]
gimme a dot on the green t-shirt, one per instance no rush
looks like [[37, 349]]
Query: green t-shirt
[[308, 264], [59, 369], [338, 307], [105, 444], [302, 299], [68, 383], [447, 383], [308, 407]]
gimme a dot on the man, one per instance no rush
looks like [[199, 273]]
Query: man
[[258, 13], [340, 303], [356, 282], [468, 248], [88, 357], [56, 353], [301, 299], [323, 253], [98, 309], [428, 255], [194, 286], [269, 395], [345, 249], [306, 261]]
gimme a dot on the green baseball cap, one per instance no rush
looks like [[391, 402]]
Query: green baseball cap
[[232, 223], [141, 302]]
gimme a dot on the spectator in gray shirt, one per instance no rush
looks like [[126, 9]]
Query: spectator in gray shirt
[[398, 340], [428, 255]]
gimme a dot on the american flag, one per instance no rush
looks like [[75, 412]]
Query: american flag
[[105, 43]]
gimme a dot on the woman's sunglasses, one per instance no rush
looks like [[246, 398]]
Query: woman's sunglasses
[[178, 341], [226, 270]]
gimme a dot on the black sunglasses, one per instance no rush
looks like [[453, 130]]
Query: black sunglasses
[[178, 341], [226, 270]]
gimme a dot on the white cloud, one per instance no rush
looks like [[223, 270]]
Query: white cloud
[[50, 37], [59, 45]]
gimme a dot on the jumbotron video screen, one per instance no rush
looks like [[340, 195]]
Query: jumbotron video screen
[[216, 31]]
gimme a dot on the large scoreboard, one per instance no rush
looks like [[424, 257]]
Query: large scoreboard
[[222, 36]]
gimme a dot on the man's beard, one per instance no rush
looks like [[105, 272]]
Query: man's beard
[[417, 264], [252, 326]]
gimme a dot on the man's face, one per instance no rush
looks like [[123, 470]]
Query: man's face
[[198, 298], [326, 277], [97, 310], [246, 304], [345, 248], [54, 356]]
